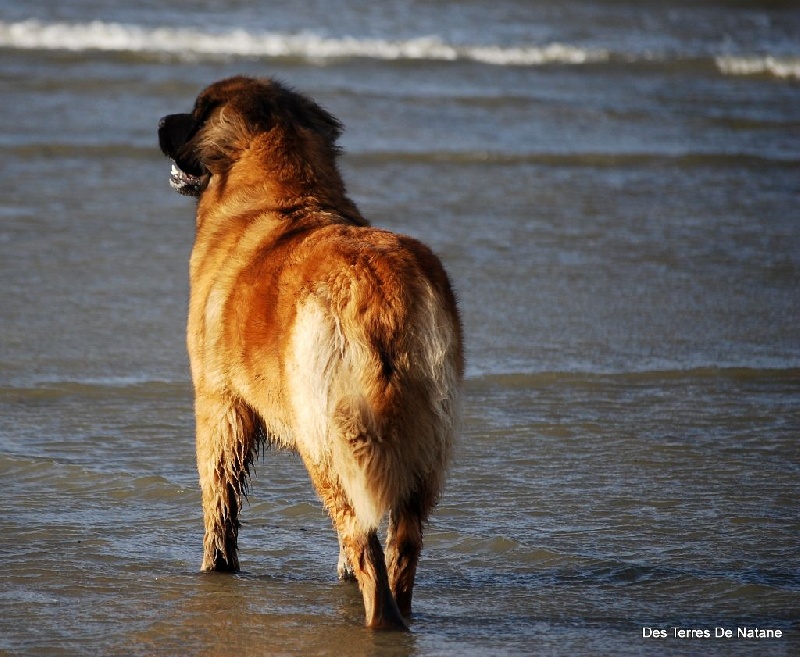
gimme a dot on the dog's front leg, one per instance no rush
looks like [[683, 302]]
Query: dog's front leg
[[225, 436], [344, 568]]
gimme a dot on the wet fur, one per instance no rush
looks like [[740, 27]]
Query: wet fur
[[314, 331]]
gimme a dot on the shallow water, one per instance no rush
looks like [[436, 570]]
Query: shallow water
[[614, 190]]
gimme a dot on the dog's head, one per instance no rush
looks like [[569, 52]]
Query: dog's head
[[229, 116]]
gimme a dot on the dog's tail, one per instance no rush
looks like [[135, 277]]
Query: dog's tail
[[380, 397]]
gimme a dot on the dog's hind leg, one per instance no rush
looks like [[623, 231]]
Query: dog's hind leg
[[403, 547], [366, 555], [226, 445], [362, 550]]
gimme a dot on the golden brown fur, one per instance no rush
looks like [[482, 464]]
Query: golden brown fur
[[311, 329]]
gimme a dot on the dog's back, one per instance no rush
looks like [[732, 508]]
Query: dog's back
[[374, 366]]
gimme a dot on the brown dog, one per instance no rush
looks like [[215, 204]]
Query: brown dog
[[313, 331]]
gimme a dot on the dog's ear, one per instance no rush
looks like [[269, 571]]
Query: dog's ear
[[224, 135], [319, 120]]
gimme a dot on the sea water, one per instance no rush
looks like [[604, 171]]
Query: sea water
[[613, 188]]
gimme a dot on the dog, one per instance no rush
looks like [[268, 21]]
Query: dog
[[309, 329]]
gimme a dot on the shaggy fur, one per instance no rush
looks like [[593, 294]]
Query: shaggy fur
[[314, 331]]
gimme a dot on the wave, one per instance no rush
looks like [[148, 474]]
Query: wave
[[187, 42], [588, 159], [780, 67], [194, 43], [789, 374], [135, 387]]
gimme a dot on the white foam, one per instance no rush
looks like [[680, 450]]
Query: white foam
[[781, 67], [187, 42], [190, 43]]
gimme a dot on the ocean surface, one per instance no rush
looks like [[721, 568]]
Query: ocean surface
[[614, 187]]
